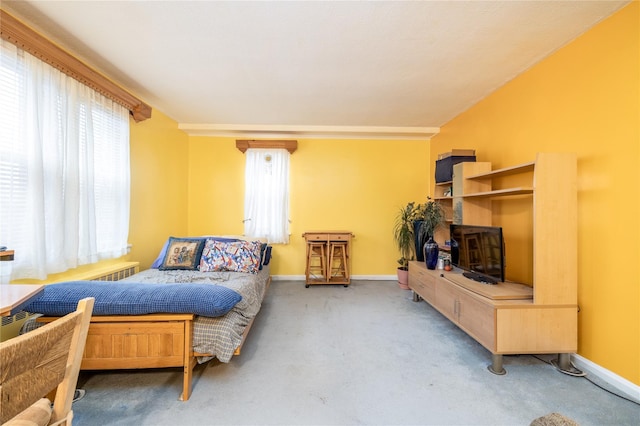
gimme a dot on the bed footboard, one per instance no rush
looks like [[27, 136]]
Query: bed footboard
[[123, 342], [140, 341]]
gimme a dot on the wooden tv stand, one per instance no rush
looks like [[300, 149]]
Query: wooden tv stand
[[511, 318], [503, 317]]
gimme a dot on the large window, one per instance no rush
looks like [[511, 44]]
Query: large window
[[266, 201], [64, 169]]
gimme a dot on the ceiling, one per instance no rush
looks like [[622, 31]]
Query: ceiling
[[342, 68]]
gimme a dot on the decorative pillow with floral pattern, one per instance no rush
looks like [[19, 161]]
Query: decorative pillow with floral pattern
[[236, 256]]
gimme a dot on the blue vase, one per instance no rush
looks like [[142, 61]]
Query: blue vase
[[431, 253]]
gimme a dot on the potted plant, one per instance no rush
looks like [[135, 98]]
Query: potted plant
[[403, 234], [432, 216]]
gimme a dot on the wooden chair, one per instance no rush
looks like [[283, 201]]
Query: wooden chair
[[37, 362]]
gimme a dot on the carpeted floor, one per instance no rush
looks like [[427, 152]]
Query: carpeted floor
[[366, 354]]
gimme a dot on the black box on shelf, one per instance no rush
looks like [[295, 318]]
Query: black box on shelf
[[446, 161]]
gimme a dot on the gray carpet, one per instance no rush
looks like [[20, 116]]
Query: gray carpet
[[366, 354]]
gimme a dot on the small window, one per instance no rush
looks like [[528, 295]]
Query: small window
[[266, 202]]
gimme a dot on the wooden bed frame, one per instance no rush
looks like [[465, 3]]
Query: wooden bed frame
[[123, 342]]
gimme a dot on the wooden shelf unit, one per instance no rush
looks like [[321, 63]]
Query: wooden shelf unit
[[507, 171], [542, 318], [446, 201]]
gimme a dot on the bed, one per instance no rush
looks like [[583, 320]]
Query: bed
[[170, 339]]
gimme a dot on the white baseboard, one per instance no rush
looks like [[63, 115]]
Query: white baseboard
[[622, 385], [353, 277], [288, 277], [375, 277]]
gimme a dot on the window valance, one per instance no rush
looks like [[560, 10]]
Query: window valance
[[289, 145], [25, 38]]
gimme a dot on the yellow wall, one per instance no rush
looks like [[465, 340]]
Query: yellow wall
[[354, 185], [188, 186], [584, 98], [159, 173]]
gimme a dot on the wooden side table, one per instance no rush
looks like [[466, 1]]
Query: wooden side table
[[13, 297], [5, 268], [328, 257], [6, 255]]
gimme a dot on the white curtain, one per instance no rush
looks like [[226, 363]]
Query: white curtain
[[266, 200], [64, 169]]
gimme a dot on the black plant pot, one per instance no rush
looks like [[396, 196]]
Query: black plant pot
[[420, 239]]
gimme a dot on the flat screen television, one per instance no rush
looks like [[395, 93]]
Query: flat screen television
[[479, 250]]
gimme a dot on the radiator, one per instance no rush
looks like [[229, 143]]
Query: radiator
[[111, 272], [11, 325], [117, 273]]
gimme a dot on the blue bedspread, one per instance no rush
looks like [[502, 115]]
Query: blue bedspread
[[115, 298]]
